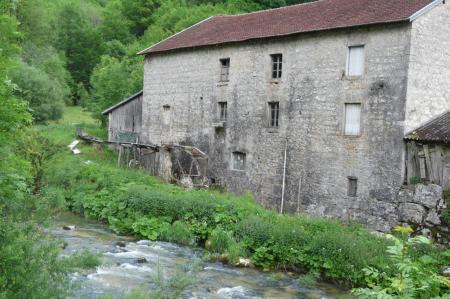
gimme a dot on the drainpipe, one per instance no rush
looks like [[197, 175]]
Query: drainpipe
[[284, 178]]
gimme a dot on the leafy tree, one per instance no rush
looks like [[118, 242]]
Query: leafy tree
[[113, 80], [80, 41], [42, 92]]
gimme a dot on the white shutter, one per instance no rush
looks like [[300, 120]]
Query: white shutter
[[355, 62], [352, 119]]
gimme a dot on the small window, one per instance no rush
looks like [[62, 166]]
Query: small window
[[277, 66], [274, 114], [223, 111], [352, 119], [224, 69], [352, 189], [239, 161], [355, 61]]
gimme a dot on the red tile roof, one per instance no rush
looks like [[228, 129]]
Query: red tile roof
[[308, 17]]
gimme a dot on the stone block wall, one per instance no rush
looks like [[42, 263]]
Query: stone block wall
[[421, 206], [182, 91], [429, 68]]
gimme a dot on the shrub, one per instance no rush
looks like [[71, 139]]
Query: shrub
[[82, 260], [446, 212], [150, 228], [220, 240], [179, 232], [412, 278]]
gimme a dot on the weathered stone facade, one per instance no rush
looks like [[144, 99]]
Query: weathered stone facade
[[429, 70], [182, 92]]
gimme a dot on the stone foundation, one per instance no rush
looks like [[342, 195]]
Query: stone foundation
[[421, 206]]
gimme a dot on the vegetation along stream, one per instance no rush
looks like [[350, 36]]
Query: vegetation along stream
[[129, 265]]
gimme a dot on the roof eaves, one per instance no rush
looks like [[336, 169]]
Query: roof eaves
[[121, 103], [143, 52], [424, 10]]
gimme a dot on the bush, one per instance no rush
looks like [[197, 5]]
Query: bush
[[220, 240], [179, 232], [411, 278], [446, 212], [82, 260]]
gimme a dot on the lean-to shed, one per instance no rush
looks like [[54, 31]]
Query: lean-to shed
[[125, 119], [428, 152]]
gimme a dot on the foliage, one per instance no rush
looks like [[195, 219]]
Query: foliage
[[412, 278], [179, 232], [82, 260], [149, 228], [446, 212]]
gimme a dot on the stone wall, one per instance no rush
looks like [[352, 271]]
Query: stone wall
[[429, 71], [182, 89], [421, 207]]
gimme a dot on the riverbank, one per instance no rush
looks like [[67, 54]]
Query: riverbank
[[229, 227], [154, 267]]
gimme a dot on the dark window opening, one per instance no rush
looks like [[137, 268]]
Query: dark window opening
[[352, 187], [274, 114], [277, 66], [224, 69], [223, 111], [239, 161]]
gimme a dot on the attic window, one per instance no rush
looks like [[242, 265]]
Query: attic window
[[355, 61], [239, 161], [277, 65], [224, 69], [352, 189]]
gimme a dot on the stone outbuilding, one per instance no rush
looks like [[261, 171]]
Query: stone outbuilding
[[305, 106]]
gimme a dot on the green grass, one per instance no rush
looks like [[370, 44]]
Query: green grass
[[74, 115], [134, 203]]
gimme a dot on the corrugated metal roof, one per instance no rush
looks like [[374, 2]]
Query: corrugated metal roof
[[114, 107], [307, 17], [437, 130]]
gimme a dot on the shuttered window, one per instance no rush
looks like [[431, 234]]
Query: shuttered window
[[352, 119], [355, 61]]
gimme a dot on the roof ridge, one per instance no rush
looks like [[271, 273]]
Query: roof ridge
[[272, 9]]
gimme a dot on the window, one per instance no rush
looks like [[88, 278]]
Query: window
[[224, 69], [277, 65], [352, 189], [239, 161], [274, 114], [222, 111], [352, 119], [355, 61]]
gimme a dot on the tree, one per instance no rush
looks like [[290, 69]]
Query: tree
[[81, 43]]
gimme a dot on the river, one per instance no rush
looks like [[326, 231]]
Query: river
[[141, 264]]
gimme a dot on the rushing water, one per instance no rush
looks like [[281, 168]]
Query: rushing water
[[139, 264]]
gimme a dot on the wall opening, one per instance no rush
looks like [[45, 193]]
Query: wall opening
[[352, 188]]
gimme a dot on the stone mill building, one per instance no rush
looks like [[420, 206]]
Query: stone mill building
[[306, 106]]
